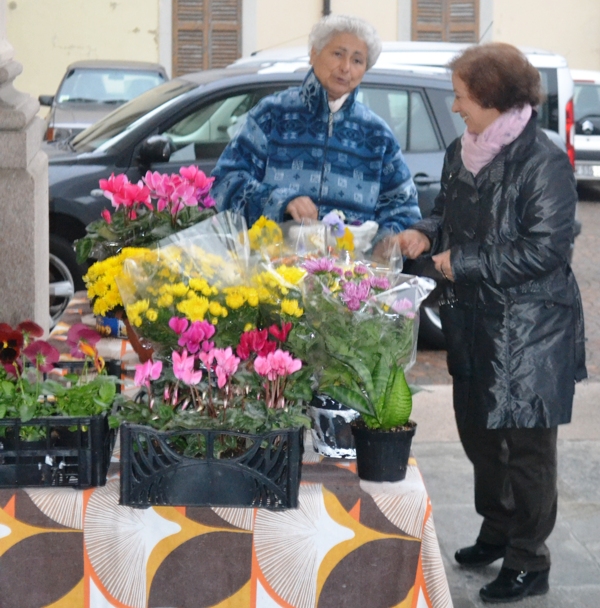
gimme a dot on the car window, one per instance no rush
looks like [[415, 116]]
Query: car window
[[204, 133], [112, 127], [406, 114], [587, 100], [106, 86]]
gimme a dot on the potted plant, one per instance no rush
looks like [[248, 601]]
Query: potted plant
[[53, 417], [221, 415], [156, 207], [364, 326]]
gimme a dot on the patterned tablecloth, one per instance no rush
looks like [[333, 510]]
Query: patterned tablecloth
[[349, 544]]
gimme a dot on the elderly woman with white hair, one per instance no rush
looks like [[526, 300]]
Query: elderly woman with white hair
[[312, 149]]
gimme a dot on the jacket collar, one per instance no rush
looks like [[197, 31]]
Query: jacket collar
[[314, 95]]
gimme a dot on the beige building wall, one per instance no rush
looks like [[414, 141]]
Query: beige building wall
[[571, 29], [288, 22], [48, 35]]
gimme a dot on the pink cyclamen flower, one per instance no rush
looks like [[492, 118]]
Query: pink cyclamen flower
[[183, 368], [178, 324], [226, 364], [106, 216], [279, 363], [42, 354], [146, 372]]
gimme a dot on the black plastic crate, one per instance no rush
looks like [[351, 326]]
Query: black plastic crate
[[266, 474], [75, 452]]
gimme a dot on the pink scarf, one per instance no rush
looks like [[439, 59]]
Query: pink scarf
[[479, 150]]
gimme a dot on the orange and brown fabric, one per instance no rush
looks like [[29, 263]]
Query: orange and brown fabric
[[348, 541]]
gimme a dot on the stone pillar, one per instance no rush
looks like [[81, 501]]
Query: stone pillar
[[24, 229]]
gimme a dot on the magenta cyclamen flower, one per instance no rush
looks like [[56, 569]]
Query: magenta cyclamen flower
[[42, 354], [178, 324], [197, 336], [146, 372], [279, 363], [322, 265], [183, 368]]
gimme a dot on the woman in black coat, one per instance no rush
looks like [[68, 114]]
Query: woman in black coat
[[500, 235]]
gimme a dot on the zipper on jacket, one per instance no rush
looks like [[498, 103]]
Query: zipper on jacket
[[329, 134]]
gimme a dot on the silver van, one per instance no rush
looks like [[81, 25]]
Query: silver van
[[587, 125]]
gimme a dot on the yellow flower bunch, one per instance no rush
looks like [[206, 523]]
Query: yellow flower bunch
[[100, 281], [265, 234]]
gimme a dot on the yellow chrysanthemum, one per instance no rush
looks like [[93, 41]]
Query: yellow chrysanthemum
[[194, 309], [264, 232], [179, 289], [151, 315], [234, 298], [291, 308], [291, 274], [165, 301]]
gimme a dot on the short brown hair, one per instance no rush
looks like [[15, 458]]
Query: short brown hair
[[498, 75]]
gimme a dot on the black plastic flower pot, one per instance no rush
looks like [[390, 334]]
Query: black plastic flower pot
[[382, 455], [330, 429]]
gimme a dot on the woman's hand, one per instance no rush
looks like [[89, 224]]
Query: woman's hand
[[411, 243], [442, 264], [302, 208]]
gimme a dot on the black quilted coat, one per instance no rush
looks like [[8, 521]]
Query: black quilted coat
[[515, 332]]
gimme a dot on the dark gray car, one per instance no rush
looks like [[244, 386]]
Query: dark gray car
[[190, 120]]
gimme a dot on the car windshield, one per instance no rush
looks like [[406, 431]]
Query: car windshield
[[106, 86], [124, 117]]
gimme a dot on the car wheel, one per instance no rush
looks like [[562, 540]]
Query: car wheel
[[66, 276]]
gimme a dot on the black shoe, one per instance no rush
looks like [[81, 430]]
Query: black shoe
[[479, 554], [514, 585]]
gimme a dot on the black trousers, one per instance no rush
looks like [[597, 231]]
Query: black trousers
[[515, 489]]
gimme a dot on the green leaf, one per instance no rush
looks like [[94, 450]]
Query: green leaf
[[352, 399], [361, 370], [107, 392], [398, 401], [26, 410], [3, 410], [8, 388], [83, 248]]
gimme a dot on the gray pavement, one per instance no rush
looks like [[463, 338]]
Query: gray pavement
[[575, 542]]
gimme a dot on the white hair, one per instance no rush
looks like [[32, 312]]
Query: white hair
[[324, 30]]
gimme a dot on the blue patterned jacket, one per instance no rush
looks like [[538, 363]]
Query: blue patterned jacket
[[292, 145]]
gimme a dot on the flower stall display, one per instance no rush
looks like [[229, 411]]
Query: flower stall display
[[53, 419], [223, 387], [144, 213], [363, 322]]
